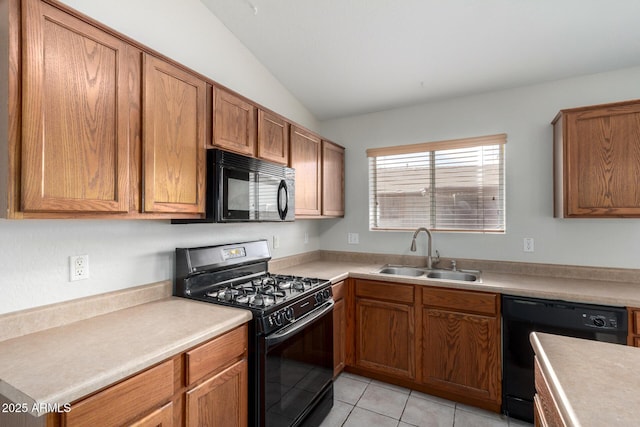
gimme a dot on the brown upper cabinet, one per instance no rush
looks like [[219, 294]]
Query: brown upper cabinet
[[86, 97], [75, 122], [597, 161], [332, 179], [174, 139], [234, 123], [240, 126], [305, 158], [319, 166], [100, 126], [273, 137]]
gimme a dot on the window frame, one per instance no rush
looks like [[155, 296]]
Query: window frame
[[432, 148]]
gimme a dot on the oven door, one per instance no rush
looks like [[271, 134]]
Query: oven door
[[298, 388]]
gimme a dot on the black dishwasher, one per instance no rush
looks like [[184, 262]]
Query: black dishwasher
[[521, 316]]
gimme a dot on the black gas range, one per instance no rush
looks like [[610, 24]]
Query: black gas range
[[291, 334]]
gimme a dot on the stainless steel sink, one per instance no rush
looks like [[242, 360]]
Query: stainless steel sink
[[434, 274], [402, 270], [463, 276]]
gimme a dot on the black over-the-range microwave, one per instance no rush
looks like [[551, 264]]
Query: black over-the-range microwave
[[245, 189]]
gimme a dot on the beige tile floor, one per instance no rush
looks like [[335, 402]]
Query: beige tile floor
[[362, 402]]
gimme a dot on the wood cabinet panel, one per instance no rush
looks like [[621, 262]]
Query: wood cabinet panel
[[461, 352], [332, 179], [214, 355], [385, 291], [162, 417], [597, 161], [75, 149], [273, 138], [305, 158], [123, 402], [634, 327], [221, 400], [468, 301], [546, 407], [339, 328], [234, 123], [385, 337], [173, 140]]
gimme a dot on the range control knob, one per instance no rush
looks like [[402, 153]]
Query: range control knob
[[318, 298], [288, 314], [277, 318], [599, 322], [326, 294]]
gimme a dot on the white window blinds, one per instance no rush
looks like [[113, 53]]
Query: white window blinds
[[455, 185]]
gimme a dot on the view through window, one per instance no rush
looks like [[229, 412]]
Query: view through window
[[455, 185]]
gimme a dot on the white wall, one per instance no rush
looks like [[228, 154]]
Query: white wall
[[34, 265], [525, 115]]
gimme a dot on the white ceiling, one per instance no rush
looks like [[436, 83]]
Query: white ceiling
[[347, 57]]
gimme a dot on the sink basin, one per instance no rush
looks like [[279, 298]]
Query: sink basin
[[402, 271], [462, 276], [435, 274]]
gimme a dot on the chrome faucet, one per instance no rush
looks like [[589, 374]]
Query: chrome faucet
[[413, 244]]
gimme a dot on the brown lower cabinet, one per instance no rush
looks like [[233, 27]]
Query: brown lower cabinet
[[440, 341], [634, 327], [339, 328], [207, 385], [545, 410]]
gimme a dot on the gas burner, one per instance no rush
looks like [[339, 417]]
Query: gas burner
[[262, 300]]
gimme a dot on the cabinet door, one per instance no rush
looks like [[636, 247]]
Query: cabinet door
[[461, 353], [597, 154], [234, 123], [385, 337], [634, 327], [273, 138], [332, 179], [305, 159], [221, 400], [339, 329], [173, 143], [75, 152]]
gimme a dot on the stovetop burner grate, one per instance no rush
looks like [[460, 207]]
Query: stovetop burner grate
[[262, 292]]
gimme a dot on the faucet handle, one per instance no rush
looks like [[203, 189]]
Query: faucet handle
[[453, 265], [436, 259]]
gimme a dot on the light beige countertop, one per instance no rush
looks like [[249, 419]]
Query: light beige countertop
[[593, 383], [65, 363], [569, 289]]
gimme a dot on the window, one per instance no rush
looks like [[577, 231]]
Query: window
[[455, 185]]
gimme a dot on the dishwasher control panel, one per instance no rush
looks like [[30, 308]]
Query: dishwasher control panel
[[600, 320]]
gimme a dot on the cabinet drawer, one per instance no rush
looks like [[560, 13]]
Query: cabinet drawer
[[385, 291], [467, 301], [216, 354], [122, 402], [338, 291], [162, 417]]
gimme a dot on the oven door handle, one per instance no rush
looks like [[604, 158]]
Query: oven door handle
[[292, 329]]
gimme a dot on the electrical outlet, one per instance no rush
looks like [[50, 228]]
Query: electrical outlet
[[78, 267], [276, 242], [353, 238], [528, 244], [306, 237]]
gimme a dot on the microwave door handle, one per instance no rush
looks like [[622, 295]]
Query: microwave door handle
[[292, 329], [283, 200]]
